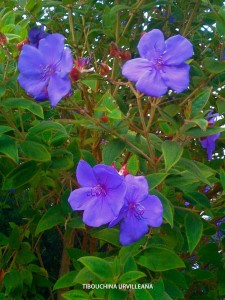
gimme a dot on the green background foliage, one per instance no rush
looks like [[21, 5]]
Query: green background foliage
[[46, 252]]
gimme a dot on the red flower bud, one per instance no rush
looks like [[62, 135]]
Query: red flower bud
[[75, 74], [3, 38], [104, 119], [104, 69], [20, 45]]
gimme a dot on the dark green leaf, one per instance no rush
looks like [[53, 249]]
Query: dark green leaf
[[112, 150], [35, 150], [172, 152], [155, 179], [8, 147], [194, 228]]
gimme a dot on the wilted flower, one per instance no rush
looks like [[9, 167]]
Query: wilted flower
[[139, 211], [119, 53], [209, 142], [44, 70], [35, 35], [79, 67], [3, 39], [104, 69], [101, 195], [162, 64]]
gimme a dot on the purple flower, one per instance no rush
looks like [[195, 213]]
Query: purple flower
[[35, 35], [162, 64], [139, 211], [101, 195], [209, 142], [44, 70]]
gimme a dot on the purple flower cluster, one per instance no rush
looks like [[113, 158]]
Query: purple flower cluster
[[209, 142], [162, 64], [105, 196], [44, 66]]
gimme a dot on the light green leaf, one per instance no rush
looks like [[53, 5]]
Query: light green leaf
[[172, 152], [155, 179], [159, 259], [97, 266], [133, 164], [66, 280], [193, 227], [131, 276], [110, 235]]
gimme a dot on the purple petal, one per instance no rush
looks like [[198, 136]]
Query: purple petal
[[153, 214], [52, 47], [66, 63], [80, 198], [30, 60], [107, 176], [152, 44], [115, 198], [97, 212], [122, 214], [178, 49], [151, 84], [33, 86], [134, 68], [209, 143], [137, 188], [85, 175], [176, 78], [132, 229], [58, 88]]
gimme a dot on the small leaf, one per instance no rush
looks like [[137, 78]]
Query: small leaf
[[9, 147], [51, 218], [75, 295], [36, 151], [21, 175], [197, 132], [168, 210], [66, 280], [30, 105], [112, 150], [222, 178], [159, 259], [131, 276], [4, 129], [110, 235], [200, 101], [193, 227], [97, 266], [172, 152], [155, 179], [213, 66], [133, 164]]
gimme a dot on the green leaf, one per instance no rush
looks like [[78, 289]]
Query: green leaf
[[197, 132], [4, 129], [172, 152], [117, 294], [36, 151], [168, 210], [97, 266], [198, 198], [213, 66], [115, 114], [66, 280], [90, 83], [110, 235], [21, 175], [61, 160], [155, 179], [131, 276], [159, 259], [13, 282], [112, 150], [133, 164], [143, 295], [119, 7], [15, 103], [51, 218], [222, 178], [200, 101], [9, 147], [47, 126], [172, 289], [194, 228], [75, 295]]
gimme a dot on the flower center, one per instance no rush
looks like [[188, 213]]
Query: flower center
[[47, 71], [97, 191], [138, 210], [158, 63]]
